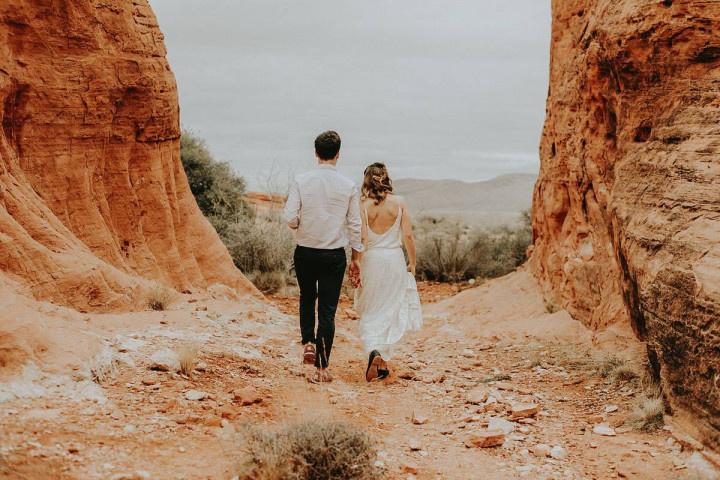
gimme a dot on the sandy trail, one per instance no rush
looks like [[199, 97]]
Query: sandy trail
[[498, 337]]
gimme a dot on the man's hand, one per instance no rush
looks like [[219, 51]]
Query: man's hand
[[355, 274], [411, 269]]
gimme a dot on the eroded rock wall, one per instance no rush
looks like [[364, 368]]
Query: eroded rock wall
[[93, 197], [627, 206]]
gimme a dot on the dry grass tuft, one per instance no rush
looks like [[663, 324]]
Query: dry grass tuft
[[160, 298], [309, 451], [103, 367], [648, 413], [187, 354], [617, 369]]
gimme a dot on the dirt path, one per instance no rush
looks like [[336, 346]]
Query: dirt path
[[496, 339]]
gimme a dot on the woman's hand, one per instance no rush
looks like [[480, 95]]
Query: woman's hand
[[411, 268]]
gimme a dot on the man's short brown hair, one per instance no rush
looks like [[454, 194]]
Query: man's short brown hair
[[327, 145]]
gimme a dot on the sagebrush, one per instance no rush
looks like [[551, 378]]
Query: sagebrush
[[313, 450], [451, 252], [260, 245]]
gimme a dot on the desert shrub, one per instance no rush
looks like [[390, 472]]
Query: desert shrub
[[260, 245], [217, 189], [648, 413], [187, 355], [309, 451], [269, 282], [450, 251], [159, 297]]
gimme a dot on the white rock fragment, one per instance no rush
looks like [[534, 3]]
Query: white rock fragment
[[195, 395], [604, 429]]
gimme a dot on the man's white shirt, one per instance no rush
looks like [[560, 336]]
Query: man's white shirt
[[323, 207]]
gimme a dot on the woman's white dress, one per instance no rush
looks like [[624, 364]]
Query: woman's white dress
[[388, 301]]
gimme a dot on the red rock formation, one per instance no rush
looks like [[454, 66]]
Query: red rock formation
[[92, 192], [627, 206]]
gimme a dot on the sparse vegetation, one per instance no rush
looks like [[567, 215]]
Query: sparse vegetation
[[262, 248], [217, 190], [617, 369], [451, 252], [159, 298], [187, 354], [260, 245], [648, 413], [309, 451], [103, 367]]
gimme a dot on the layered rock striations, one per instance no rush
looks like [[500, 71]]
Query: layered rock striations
[[627, 206], [93, 198]]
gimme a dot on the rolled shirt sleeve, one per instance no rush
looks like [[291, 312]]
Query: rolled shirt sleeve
[[291, 213], [354, 222]]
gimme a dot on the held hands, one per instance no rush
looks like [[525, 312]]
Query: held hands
[[355, 274]]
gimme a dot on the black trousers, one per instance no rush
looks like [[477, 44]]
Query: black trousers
[[320, 276]]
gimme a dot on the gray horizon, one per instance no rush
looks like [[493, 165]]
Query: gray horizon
[[439, 90]]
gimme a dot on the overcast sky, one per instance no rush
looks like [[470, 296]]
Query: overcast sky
[[435, 89]]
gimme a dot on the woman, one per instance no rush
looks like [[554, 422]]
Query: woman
[[387, 299]]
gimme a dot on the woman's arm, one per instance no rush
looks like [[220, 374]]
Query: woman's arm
[[408, 238]]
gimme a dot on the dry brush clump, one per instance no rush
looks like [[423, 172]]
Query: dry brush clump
[[187, 357], [312, 450], [449, 251], [260, 244], [159, 297]]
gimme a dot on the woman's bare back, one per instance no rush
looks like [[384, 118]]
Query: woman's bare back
[[383, 216]]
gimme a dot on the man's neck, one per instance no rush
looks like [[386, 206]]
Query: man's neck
[[328, 162]]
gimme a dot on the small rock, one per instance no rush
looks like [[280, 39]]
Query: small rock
[[541, 450], [129, 428], [467, 353], [213, 422], [611, 408], [604, 429], [524, 410], [419, 418], [246, 396], [501, 424], [595, 419], [148, 381], [409, 468], [165, 360], [558, 453], [414, 444], [195, 395], [477, 396], [486, 439], [139, 475], [351, 314]]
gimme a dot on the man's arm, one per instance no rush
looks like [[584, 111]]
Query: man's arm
[[355, 228], [354, 223], [291, 213]]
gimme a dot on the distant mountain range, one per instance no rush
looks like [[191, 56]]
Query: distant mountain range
[[494, 202]]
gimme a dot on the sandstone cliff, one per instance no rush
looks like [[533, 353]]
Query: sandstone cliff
[[627, 206], [93, 197]]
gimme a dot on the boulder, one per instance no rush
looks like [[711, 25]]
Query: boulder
[[626, 217]]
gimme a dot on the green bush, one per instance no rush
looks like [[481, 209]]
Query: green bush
[[451, 252], [217, 189], [260, 245]]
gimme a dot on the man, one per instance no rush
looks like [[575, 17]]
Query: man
[[323, 207]]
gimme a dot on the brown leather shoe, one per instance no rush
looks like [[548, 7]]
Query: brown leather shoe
[[309, 354]]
